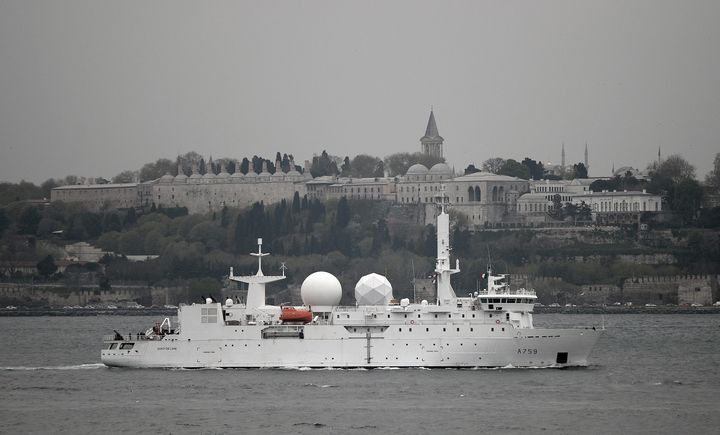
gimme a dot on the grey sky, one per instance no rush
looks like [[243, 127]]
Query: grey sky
[[92, 87]]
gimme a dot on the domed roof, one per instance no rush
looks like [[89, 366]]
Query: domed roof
[[223, 175], [237, 174], [441, 169], [321, 288], [195, 175], [167, 178], [278, 174], [417, 169], [209, 175], [373, 289], [251, 174], [180, 178]]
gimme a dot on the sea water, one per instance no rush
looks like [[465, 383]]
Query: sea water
[[647, 374]]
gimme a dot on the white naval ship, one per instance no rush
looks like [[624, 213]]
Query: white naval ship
[[489, 328]]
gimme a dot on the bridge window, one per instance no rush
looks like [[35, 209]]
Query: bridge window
[[208, 315]]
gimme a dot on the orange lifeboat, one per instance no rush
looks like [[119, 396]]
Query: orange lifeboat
[[292, 314]]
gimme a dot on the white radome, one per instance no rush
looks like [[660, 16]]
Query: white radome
[[321, 288], [373, 289]]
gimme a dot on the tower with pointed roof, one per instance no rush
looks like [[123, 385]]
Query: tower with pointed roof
[[432, 142], [587, 163]]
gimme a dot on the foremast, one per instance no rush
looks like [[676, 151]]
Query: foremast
[[256, 283], [443, 270]]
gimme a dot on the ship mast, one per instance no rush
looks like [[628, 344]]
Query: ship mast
[[445, 292], [256, 283]]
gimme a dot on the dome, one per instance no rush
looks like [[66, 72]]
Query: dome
[[417, 169], [195, 175], [181, 178], [321, 288], [167, 178], [237, 174], [373, 289], [441, 169], [251, 174], [223, 175], [278, 174], [209, 175]]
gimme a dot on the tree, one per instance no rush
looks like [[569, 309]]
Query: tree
[[379, 169], [4, 221], [493, 164], [570, 210], [342, 217], [153, 171], [47, 186], [676, 168], [29, 220], [399, 163], [580, 171], [712, 179], [584, 212], [364, 166], [345, 167], [513, 168], [557, 209], [323, 165], [111, 222], [537, 171], [471, 169], [47, 266], [125, 177], [245, 165], [296, 203], [687, 199]]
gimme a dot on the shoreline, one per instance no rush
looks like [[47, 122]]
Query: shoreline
[[55, 312]]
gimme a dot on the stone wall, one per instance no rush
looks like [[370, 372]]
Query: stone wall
[[677, 289], [59, 296], [213, 196]]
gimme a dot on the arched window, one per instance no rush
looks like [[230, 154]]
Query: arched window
[[494, 194], [477, 194], [501, 194], [471, 194]]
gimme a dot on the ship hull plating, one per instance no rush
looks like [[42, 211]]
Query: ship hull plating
[[336, 346]]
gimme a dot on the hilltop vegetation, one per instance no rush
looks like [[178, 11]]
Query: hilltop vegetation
[[349, 238]]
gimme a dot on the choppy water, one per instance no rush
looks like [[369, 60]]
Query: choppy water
[[649, 374]]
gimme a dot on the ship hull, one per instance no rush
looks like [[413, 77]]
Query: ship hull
[[327, 346]]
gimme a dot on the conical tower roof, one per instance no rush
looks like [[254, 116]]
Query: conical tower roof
[[431, 132]]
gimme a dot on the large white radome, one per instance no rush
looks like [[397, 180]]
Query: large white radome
[[321, 288], [373, 289]]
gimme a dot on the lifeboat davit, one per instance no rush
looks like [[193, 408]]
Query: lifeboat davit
[[292, 314]]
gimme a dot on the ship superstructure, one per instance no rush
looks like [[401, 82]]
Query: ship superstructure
[[488, 328]]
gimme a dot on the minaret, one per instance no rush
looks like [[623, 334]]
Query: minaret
[[587, 166], [445, 292], [432, 142], [562, 157], [659, 156], [256, 283]]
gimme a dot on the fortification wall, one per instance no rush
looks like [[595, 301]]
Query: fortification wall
[[676, 289], [213, 196]]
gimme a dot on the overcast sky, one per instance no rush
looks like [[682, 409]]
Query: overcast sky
[[96, 87]]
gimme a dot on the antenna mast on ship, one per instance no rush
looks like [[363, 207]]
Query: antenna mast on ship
[[256, 283], [445, 292]]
